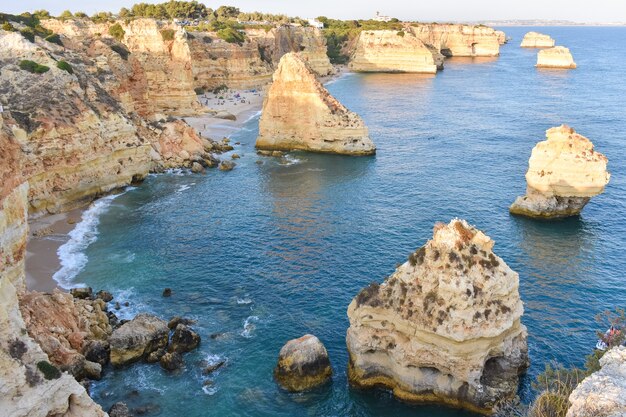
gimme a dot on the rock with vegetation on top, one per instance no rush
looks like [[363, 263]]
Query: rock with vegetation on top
[[558, 57], [302, 364], [136, 339], [564, 172], [300, 114], [537, 40], [444, 327]]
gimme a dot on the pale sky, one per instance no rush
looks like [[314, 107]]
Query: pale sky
[[432, 10]]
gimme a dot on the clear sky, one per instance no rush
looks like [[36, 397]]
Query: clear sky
[[432, 10]]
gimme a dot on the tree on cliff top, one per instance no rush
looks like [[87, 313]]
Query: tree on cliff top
[[65, 15], [170, 10]]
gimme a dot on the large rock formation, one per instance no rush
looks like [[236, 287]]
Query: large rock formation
[[302, 364], [460, 40], [444, 327], [300, 114], [391, 51], [537, 40], [603, 393], [558, 57], [136, 339], [564, 172]]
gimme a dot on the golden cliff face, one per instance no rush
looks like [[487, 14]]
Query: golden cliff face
[[558, 57], [537, 40], [300, 114], [391, 51], [444, 327], [460, 40], [564, 172]]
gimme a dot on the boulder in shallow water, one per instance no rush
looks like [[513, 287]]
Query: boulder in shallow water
[[196, 168], [226, 165], [136, 339], [104, 296], [175, 321], [97, 351], [171, 361], [119, 410], [167, 292], [302, 364], [184, 339]]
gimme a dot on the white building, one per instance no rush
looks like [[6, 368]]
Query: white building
[[380, 18], [316, 23]]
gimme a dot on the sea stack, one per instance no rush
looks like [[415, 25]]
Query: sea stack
[[302, 364], [300, 114], [391, 51], [564, 172], [537, 40], [444, 327], [558, 57]]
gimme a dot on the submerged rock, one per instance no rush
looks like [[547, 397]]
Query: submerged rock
[[300, 114], [136, 339], [302, 364], [603, 393], [564, 172], [119, 410], [444, 327], [558, 57], [537, 40], [167, 292]]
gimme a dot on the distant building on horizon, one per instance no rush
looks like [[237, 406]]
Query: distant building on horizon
[[380, 18]]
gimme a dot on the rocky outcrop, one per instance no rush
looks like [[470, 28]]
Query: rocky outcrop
[[603, 393], [300, 114], [564, 172], [558, 57], [444, 327], [391, 51], [302, 364], [537, 40], [459, 39], [136, 339]]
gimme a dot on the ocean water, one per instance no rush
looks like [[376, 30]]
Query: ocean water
[[269, 252]]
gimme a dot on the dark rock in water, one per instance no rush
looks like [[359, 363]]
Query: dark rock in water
[[213, 367], [184, 339], [126, 304], [155, 356], [82, 293], [218, 335], [167, 292], [104, 296], [92, 370], [259, 162], [235, 156], [210, 161], [175, 321], [226, 165], [113, 320], [117, 306], [147, 409], [119, 410], [97, 351], [302, 364], [171, 361], [136, 339]]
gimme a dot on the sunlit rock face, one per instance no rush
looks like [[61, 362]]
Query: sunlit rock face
[[444, 327], [391, 51], [603, 393], [300, 114], [537, 40], [564, 172], [459, 39], [558, 57]]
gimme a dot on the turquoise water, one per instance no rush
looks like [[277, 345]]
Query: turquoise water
[[266, 253]]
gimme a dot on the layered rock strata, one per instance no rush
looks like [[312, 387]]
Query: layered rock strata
[[302, 364], [558, 57], [603, 393], [444, 327], [391, 51], [564, 172], [459, 39], [537, 40], [300, 114]]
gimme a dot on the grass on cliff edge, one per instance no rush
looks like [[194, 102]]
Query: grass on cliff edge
[[33, 67]]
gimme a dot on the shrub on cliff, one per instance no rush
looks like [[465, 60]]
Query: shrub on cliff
[[8, 27], [231, 35], [65, 67], [28, 34], [54, 38], [66, 15], [102, 17], [48, 370], [168, 34], [33, 67], [400, 33], [117, 31]]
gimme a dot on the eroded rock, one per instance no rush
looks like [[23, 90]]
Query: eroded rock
[[537, 40], [302, 364], [136, 339], [558, 57]]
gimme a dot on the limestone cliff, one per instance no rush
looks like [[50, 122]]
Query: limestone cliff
[[603, 393], [564, 172], [29, 387], [558, 57], [444, 327], [537, 40], [391, 51], [460, 40], [300, 114]]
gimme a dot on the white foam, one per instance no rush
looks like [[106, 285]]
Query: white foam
[[249, 326], [289, 160], [71, 254], [253, 116], [184, 187], [244, 301]]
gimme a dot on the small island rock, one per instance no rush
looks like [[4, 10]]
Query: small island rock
[[558, 57], [302, 364], [537, 40]]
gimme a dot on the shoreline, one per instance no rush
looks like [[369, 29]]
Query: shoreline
[[49, 232]]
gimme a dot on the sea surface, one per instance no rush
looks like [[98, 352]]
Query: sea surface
[[267, 253]]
